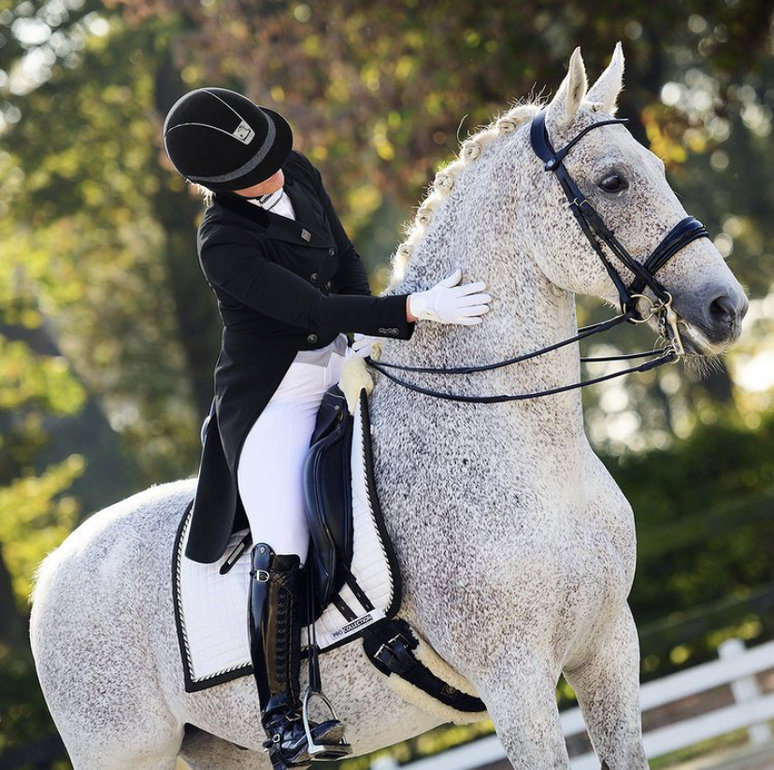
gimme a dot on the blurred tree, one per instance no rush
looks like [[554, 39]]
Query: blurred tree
[[96, 298], [108, 241]]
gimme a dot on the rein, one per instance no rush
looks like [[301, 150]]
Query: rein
[[597, 233]]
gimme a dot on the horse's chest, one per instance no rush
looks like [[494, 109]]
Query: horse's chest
[[596, 571]]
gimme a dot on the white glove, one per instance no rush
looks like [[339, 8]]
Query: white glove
[[365, 346], [448, 303]]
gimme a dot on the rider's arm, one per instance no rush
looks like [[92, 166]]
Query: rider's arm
[[236, 263]]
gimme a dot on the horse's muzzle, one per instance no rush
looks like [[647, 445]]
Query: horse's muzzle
[[712, 317]]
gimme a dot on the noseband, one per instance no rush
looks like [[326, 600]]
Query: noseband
[[597, 233]]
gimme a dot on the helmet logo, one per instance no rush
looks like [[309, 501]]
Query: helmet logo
[[244, 133]]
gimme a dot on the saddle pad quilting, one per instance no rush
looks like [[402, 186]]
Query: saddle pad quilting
[[211, 609]]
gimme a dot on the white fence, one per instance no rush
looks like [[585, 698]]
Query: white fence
[[736, 667]]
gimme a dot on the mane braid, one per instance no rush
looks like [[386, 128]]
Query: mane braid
[[442, 186]]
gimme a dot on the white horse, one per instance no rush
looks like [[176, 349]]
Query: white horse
[[517, 548]]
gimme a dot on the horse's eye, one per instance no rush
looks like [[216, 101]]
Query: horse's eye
[[613, 183]]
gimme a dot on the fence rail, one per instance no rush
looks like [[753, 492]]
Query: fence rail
[[736, 667]]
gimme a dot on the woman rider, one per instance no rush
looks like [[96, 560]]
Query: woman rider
[[289, 284]]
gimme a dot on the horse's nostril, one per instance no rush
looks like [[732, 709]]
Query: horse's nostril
[[723, 309]]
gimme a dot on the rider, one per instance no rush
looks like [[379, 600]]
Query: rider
[[288, 283]]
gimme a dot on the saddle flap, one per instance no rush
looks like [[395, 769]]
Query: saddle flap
[[327, 496]]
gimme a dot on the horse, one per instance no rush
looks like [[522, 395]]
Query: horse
[[516, 547]]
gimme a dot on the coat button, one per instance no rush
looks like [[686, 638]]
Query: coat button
[[313, 277], [331, 252], [312, 338], [328, 285]]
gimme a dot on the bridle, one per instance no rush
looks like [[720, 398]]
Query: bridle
[[597, 233], [595, 230]]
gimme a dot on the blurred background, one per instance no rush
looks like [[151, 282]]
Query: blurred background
[[108, 332]]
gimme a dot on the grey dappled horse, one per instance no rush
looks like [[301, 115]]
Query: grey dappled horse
[[516, 546]]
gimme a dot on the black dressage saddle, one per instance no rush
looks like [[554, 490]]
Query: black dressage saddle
[[327, 493]]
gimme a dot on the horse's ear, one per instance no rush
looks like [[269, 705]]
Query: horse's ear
[[564, 106], [605, 91]]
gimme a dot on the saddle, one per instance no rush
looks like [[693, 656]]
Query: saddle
[[354, 586], [327, 493]]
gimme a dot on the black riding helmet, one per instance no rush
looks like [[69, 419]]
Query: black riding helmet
[[221, 140]]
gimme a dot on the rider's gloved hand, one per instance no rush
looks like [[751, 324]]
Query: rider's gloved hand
[[448, 303], [366, 346]]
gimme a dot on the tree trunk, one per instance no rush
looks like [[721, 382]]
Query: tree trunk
[[13, 629]]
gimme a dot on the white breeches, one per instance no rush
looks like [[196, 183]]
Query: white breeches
[[269, 474]]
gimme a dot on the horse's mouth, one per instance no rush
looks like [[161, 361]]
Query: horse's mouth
[[697, 343]]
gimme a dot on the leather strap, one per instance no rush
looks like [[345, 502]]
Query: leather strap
[[390, 646], [685, 231], [667, 355]]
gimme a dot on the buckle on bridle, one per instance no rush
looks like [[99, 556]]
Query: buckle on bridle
[[654, 308], [668, 318]]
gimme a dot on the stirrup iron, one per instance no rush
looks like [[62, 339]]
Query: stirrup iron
[[322, 751], [319, 751]]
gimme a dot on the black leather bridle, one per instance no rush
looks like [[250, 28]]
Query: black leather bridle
[[595, 230], [597, 233]]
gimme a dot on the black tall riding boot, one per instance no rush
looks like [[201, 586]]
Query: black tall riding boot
[[275, 649]]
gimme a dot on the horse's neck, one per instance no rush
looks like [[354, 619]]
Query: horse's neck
[[527, 313]]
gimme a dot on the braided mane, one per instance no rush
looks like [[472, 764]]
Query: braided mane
[[442, 186]]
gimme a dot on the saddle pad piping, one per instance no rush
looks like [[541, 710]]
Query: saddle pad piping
[[378, 518], [191, 684]]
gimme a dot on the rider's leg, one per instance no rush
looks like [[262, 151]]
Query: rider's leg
[[270, 486], [275, 651]]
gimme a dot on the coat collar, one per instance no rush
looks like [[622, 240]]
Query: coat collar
[[306, 230]]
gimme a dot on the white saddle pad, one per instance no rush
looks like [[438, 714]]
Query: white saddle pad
[[211, 609]]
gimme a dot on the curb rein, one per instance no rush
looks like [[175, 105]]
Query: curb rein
[[596, 232]]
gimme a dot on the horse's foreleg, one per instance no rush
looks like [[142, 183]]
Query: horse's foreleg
[[607, 687], [521, 700]]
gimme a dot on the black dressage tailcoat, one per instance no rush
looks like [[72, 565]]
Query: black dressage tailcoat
[[282, 286]]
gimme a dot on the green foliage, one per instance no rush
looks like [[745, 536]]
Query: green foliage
[[46, 382], [85, 237], [41, 517]]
